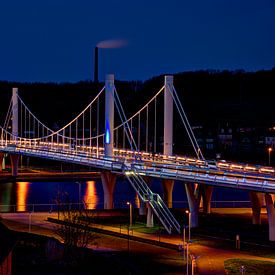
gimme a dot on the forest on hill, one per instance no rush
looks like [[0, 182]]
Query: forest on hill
[[211, 99]]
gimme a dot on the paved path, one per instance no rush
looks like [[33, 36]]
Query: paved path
[[209, 260]]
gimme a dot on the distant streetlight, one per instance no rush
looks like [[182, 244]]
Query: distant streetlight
[[189, 224], [269, 153], [130, 214]]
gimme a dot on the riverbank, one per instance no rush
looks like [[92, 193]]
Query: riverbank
[[40, 175], [210, 260]]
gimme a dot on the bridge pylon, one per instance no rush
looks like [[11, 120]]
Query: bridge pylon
[[109, 115], [107, 177], [168, 116], [14, 158], [168, 184], [15, 112]]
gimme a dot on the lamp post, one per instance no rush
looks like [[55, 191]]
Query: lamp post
[[269, 153], [130, 214], [189, 224], [187, 251], [184, 242], [193, 261]]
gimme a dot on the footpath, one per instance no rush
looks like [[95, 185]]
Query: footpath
[[208, 260]]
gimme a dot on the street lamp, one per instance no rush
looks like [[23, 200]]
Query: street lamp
[[187, 251], [269, 153], [131, 214], [189, 224], [184, 242]]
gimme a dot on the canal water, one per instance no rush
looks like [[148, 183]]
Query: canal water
[[42, 196]]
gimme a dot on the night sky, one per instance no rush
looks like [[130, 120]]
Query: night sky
[[54, 40]]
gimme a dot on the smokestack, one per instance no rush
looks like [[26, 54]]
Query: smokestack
[[96, 66]]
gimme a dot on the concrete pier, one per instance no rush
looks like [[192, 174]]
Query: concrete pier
[[271, 215], [256, 201], [167, 186], [108, 182], [1, 161], [193, 204], [14, 164], [207, 191]]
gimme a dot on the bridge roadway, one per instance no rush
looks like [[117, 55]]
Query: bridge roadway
[[147, 166]]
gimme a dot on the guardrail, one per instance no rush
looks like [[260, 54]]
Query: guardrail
[[55, 207]]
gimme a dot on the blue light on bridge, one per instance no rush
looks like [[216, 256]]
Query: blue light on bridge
[[107, 134]]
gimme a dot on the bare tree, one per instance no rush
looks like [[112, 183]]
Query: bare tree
[[75, 228]]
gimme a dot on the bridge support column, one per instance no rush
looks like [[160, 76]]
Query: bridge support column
[[256, 201], [193, 204], [168, 185], [271, 216], [207, 191], [150, 216], [14, 164], [147, 207], [141, 205], [108, 182], [142, 208], [109, 115], [1, 161]]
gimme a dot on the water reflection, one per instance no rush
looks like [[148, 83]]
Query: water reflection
[[22, 190], [17, 195], [91, 197], [6, 196]]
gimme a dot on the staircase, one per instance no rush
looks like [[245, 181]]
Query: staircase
[[155, 201]]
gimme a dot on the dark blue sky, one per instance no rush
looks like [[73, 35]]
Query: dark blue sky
[[53, 40]]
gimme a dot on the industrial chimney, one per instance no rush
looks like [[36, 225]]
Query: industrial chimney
[[96, 65]]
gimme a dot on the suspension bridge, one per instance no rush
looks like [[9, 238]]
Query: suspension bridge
[[131, 149]]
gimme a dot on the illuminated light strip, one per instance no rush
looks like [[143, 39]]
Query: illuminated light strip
[[250, 168], [235, 166], [191, 160], [171, 157], [180, 158], [223, 165], [266, 170]]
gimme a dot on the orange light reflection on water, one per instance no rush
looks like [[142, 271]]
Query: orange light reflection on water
[[22, 189], [90, 197]]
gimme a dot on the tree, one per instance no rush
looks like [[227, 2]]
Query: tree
[[75, 226]]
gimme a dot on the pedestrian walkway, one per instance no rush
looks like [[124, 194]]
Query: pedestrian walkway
[[208, 260]]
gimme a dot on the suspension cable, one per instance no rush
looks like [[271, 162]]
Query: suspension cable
[[123, 118], [186, 123], [155, 128], [8, 115]]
